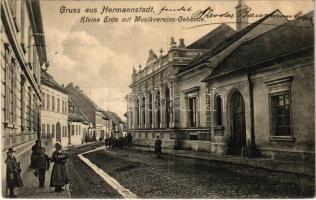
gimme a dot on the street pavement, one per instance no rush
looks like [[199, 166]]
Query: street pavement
[[172, 176], [179, 177]]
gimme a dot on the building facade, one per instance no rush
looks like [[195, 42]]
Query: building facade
[[23, 54], [261, 107], [115, 125], [98, 121], [78, 125], [54, 111], [180, 97]]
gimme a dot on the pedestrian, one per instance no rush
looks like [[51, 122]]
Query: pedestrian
[[120, 142], [43, 163], [59, 177], [13, 173], [157, 146], [129, 139], [106, 142], [35, 152]]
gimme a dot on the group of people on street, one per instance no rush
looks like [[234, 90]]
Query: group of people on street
[[40, 162], [113, 142]]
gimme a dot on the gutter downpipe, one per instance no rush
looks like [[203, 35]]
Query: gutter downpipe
[[253, 151]]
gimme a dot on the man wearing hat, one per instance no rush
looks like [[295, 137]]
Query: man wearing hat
[[13, 173]]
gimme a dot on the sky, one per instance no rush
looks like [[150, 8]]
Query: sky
[[99, 57]]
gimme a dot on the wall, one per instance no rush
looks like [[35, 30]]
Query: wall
[[21, 132], [52, 117]]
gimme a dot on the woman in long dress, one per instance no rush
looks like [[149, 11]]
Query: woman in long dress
[[59, 177]]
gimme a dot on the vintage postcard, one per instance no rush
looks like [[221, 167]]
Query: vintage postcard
[[189, 99]]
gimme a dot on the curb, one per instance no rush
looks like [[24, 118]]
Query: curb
[[244, 162]]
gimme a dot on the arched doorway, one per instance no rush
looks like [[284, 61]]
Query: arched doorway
[[58, 132], [238, 124]]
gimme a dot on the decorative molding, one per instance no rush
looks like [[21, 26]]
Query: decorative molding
[[193, 89]]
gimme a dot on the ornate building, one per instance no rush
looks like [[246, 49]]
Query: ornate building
[[205, 97], [156, 105], [23, 54]]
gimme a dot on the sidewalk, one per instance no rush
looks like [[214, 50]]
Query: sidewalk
[[275, 165], [31, 189], [30, 182]]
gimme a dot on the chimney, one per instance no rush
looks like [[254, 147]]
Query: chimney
[[241, 20], [181, 43], [173, 44]]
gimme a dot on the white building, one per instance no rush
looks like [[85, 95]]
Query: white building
[[54, 111], [78, 125]]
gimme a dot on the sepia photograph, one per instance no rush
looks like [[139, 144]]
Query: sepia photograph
[[157, 99]]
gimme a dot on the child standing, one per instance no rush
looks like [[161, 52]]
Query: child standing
[[43, 163]]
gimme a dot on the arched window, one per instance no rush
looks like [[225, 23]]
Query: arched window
[[167, 97], [150, 113], [137, 113], [142, 111], [218, 111], [157, 108]]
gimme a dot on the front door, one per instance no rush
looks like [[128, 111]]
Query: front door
[[238, 131], [58, 132]]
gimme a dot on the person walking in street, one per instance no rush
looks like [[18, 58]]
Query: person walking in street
[[129, 139], [43, 163], [157, 146], [59, 176], [13, 173]]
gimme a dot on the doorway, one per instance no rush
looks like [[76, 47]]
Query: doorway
[[238, 124], [58, 132]]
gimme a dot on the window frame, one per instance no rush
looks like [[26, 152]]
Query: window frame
[[273, 135]]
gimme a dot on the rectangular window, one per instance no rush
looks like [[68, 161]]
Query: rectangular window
[[62, 106], [66, 131], [30, 109], [73, 130], [22, 102], [192, 111], [53, 103], [53, 130], [48, 102], [281, 114], [58, 105], [43, 131], [43, 101], [48, 131]]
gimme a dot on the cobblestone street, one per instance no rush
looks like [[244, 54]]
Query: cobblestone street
[[84, 183], [175, 177]]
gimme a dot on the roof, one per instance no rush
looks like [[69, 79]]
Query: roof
[[113, 116], [290, 37], [71, 90], [48, 80], [87, 106], [213, 38], [77, 116], [226, 43]]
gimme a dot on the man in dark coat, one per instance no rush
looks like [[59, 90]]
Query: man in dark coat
[[43, 163], [129, 139], [59, 176], [13, 173], [157, 145], [35, 152]]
